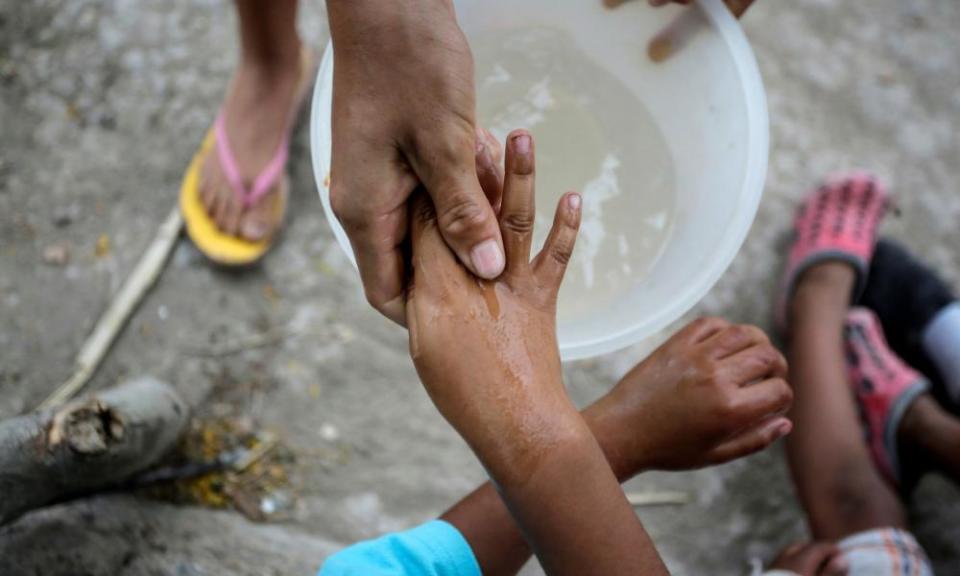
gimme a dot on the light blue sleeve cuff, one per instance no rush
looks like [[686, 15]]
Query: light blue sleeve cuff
[[432, 549]]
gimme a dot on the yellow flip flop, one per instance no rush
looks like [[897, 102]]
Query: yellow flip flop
[[215, 244]]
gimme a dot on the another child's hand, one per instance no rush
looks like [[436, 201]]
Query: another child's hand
[[487, 351], [712, 393]]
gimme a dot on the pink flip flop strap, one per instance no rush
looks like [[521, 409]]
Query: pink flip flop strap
[[267, 177]]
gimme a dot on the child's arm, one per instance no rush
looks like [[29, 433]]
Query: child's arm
[[487, 355], [683, 407], [712, 393]]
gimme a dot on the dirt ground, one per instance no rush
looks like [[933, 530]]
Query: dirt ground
[[101, 106]]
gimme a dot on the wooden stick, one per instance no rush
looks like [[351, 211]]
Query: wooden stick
[[86, 445], [121, 306]]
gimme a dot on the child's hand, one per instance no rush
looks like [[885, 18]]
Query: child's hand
[[712, 393], [481, 347]]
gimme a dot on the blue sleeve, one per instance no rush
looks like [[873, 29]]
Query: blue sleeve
[[432, 549]]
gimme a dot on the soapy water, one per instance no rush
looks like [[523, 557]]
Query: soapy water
[[593, 136]]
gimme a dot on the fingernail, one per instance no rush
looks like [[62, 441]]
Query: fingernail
[[487, 258], [573, 201], [521, 144], [784, 428]]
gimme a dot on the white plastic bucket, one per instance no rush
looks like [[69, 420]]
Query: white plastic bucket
[[708, 103]]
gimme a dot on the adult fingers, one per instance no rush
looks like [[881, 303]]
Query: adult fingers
[[752, 440], [445, 162], [368, 194], [381, 264], [518, 209], [737, 7], [760, 361], [490, 168], [551, 263]]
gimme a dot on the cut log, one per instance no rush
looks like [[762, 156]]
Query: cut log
[[86, 445]]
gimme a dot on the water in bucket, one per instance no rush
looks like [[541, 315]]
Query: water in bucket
[[593, 136]]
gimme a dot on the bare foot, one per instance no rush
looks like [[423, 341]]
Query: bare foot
[[257, 111]]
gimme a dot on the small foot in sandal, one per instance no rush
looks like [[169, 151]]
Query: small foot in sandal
[[885, 389], [255, 120]]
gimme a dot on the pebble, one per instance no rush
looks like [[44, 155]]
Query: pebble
[[329, 432], [56, 254]]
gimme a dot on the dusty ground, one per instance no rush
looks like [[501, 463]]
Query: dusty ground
[[101, 105]]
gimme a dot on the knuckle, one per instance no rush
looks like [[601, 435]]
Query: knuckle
[[785, 394], [766, 358], [738, 332], [461, 215], [561, 253], [757, 334], [451, 145], [725, 409], [340, 203], [708, 322], [518, 222]]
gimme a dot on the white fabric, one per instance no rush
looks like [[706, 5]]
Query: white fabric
[[941, 341]]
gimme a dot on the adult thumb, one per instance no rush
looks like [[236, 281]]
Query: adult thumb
[[464, 215]]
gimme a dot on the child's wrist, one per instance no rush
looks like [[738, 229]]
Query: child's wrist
[[618, 438], [523, 442]]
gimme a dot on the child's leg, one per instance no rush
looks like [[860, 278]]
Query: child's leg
[[935, 432], [256, 114], [920, 315], [838, 484]]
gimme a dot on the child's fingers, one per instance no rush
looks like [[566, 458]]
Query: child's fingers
[[734, 339], [518, 209], [766, 398], [752, 440], [758, 362], [551, 263], [700, 329], [837, 565]]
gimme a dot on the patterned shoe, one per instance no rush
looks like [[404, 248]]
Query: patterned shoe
[[884, 386], [907, 295], [837, 222]]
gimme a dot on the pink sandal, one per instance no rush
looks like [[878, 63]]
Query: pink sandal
[[218, 246], [837, 222], [265, 180], [884, 386]]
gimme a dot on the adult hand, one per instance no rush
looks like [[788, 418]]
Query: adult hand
[[737, 7], [812, 559], [404, 117], [712, 393]]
